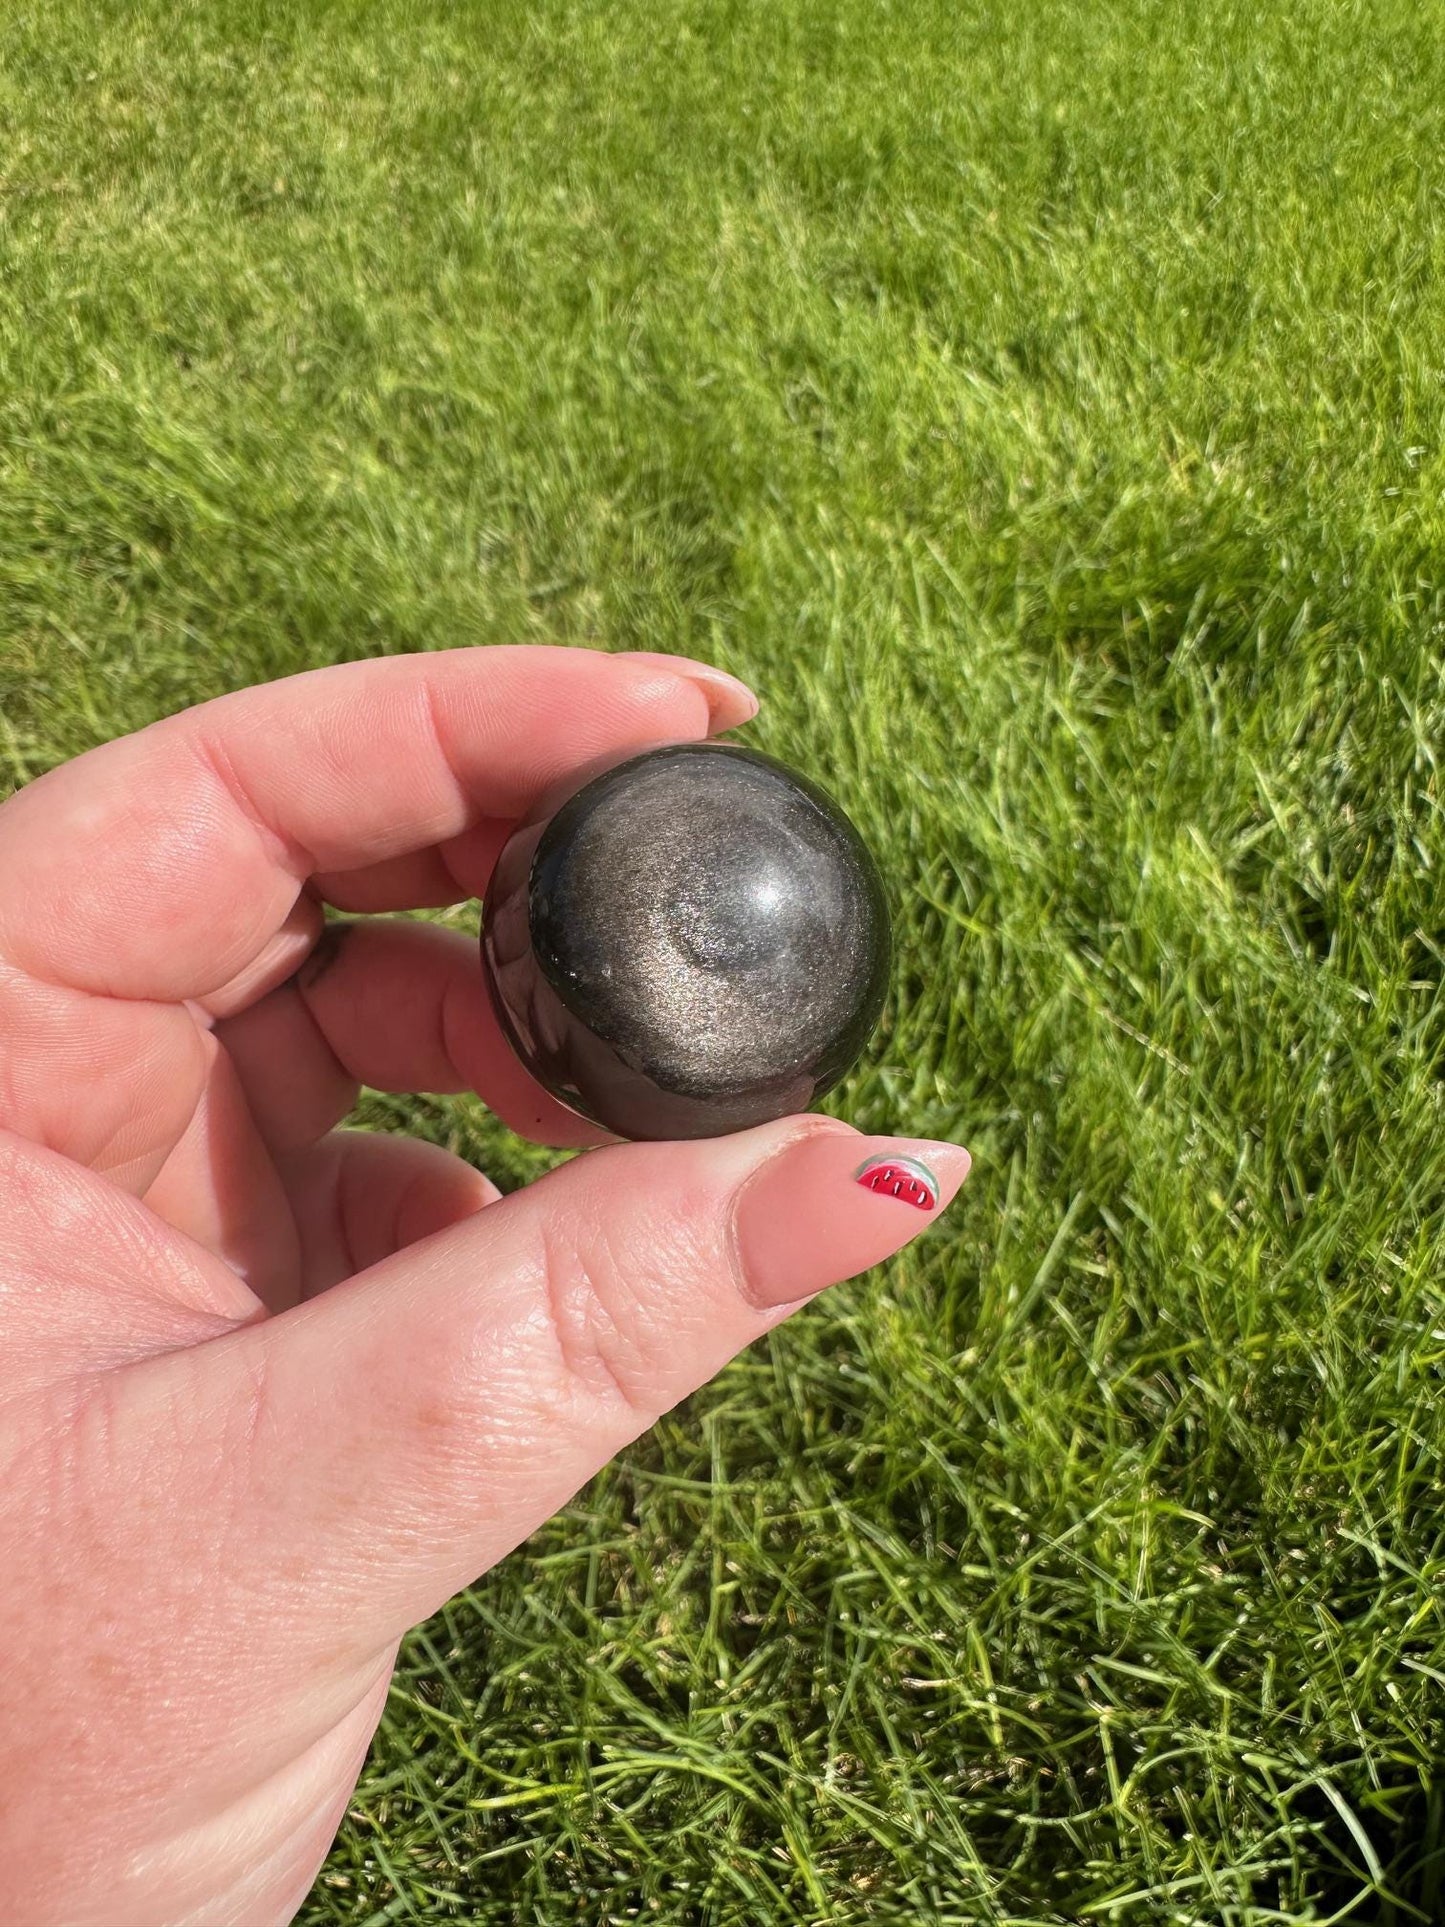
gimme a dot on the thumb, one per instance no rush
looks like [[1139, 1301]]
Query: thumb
[[409, 1427]]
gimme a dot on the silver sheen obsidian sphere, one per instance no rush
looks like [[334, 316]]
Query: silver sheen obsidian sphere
[[692, 942]]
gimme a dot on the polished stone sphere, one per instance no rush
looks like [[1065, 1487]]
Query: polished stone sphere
[[692, 942]]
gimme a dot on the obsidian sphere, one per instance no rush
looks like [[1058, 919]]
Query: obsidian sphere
[[694, 941]]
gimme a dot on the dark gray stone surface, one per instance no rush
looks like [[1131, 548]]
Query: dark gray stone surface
[[695, 941]]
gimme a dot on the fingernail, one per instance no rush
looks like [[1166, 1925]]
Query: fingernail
[[323, 953], [831, 1204], [729, 701]]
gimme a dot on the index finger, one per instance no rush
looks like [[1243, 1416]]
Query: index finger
[[156, 866]]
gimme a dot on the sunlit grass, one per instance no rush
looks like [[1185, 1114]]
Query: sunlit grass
[[1042, 407]]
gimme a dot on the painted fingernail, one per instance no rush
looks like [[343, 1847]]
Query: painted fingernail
[[832, 1203], [908, 1179], [729, 701]]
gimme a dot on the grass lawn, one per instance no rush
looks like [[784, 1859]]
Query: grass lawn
[[1044, 405]]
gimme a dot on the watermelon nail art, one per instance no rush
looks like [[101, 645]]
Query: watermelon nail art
[[907, 1179]]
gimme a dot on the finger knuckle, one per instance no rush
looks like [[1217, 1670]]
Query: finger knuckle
[[606, 1312]]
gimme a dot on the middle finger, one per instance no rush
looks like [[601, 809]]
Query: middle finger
[[394, 1004]]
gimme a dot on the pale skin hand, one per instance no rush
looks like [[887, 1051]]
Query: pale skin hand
[[270, 1392]]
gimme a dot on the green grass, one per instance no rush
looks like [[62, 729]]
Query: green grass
[[1043, 405]]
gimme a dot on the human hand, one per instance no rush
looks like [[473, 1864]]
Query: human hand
[[270, 1392]]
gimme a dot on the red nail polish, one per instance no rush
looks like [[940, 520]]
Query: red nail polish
[[907, 1179]]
